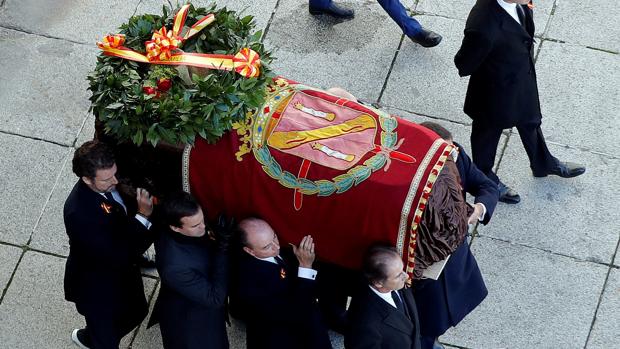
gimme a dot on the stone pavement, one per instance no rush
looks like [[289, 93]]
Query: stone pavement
[[551, 263]]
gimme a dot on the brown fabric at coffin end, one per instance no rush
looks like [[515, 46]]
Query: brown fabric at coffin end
[[444, 221]]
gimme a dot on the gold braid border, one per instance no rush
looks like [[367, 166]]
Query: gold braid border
[[421, 202], [185, 167]]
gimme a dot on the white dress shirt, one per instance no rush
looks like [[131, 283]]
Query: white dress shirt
[[117, 197], [385, 296], [510, 8], [306, 273]]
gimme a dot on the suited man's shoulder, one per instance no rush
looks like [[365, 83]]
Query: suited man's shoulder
[[83, 206], [482, 15], [366, 305]]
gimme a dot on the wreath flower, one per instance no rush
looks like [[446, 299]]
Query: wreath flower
[[189, 72]]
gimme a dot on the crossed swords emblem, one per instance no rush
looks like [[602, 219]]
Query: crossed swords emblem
[[286, 140]]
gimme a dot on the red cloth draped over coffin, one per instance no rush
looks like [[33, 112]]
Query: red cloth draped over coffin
[[313, 163]]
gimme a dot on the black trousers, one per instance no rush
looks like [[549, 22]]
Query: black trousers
[[484, 140], [335, 285], [105, 329]]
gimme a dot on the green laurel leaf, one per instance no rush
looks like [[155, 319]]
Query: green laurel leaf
[[288, 180], [376, 162], [388, 123], [388, 139], [326, 188], [343, 183], [361, 174], [307, 187]]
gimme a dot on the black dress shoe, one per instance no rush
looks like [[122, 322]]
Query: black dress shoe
[[564, 170], [334, 11], [81, 338], [508, 195], [438, 345], [426, 38]]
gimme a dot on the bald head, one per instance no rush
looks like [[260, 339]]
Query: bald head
[[258, 238]]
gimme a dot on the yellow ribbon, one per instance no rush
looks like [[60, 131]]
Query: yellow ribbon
[[163, 48], [162, 44]]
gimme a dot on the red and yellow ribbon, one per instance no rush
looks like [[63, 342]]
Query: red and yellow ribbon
[[163, 48], [162, 44], [247, 63]]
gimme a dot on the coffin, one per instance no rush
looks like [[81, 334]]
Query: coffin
[[309, 162]]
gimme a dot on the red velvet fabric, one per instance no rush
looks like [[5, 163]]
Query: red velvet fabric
[[342, 225]]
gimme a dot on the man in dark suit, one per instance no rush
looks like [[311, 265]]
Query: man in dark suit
[[394, 9], [444, 302], [275, 294], [498, 52], [101, 275], [193, 267], [383, 315]]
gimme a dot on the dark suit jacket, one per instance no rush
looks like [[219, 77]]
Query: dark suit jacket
[[101, 276], [191, 303], [443, 303], [476, 183], [279, 307], [375, 324], [498, 54]]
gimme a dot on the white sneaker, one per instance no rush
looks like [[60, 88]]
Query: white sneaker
[[75, 338]]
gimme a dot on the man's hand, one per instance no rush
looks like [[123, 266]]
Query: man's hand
[[223, 231], [145, 202], [305, 252], [477, 214]]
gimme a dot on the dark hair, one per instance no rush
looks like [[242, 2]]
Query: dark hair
[[176, 206], [376, 260], [438, 129], [90, 157]]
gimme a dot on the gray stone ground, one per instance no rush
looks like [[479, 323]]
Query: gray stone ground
[[551, 263]]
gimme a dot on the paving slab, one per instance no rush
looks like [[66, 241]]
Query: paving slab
[[607, 324], [29, 169], [40, 99], [579, 104], [426, 81], [9, 255], [81, 21], [323, 52], [536, 299], [34, 313], [151, 337], [261, 10], [88, 131], [460, 9], [460, 132], [565, 216], [149, 289], [591, 23], [49, 234]]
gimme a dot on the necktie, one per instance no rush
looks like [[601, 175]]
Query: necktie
[[110, 197], [280, 261], [282, 266], [521, 15], [399, 304]]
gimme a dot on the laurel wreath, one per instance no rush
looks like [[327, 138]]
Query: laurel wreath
[[206, 106]]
